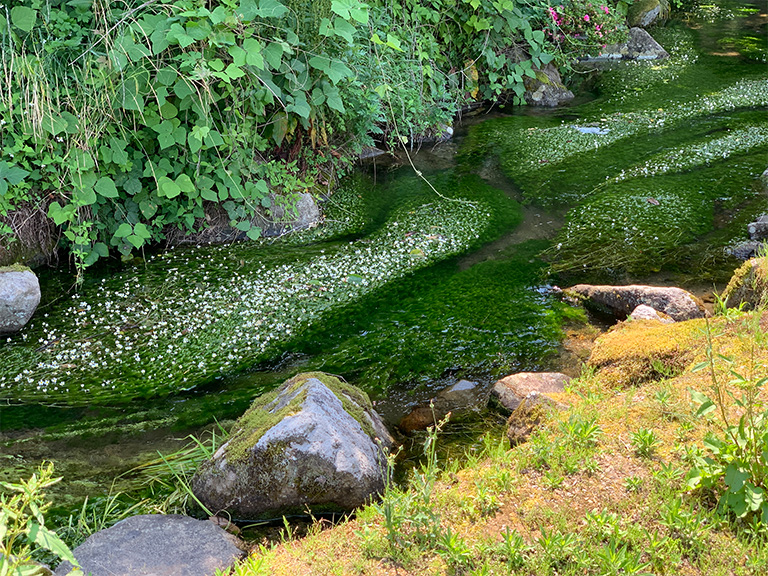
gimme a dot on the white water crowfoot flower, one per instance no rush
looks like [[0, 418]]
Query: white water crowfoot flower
[[189, 316]]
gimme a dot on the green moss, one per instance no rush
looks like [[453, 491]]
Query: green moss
[[15, 268], [264, 414]]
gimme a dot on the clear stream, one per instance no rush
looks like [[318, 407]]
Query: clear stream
[[407, 288]]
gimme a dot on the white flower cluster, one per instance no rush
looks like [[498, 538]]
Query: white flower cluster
[[194, 314]]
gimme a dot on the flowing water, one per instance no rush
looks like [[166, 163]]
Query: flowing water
[[409, 286]]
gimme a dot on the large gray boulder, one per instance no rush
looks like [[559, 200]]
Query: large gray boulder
[[748, 287], [619, 301], [511, 390], [157, 545], [19, 297], [758, 230], [315, 443]]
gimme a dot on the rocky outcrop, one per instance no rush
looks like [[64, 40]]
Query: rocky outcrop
[[644, 312], [511, 390], [315, 442], [748, 287], [157, 545], [643, 13], [619, 301], [19, 297], [639, 46], [546, 89]]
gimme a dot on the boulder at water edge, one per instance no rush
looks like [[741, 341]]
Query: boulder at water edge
[[315, 443], [157, 545], [19, 297], [643, 13], [546, 89], [620, 301], [639, 46], [748, 286], [511, 390]]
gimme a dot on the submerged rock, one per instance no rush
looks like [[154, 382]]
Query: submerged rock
[[744, 250], [643, 13], [511, 390], [19, 297], [547, 88], [157, 545], [315, 442], [460, 399], [748, 287], [619, 301]]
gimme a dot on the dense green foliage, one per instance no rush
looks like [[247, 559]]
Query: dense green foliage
[[123, 120]]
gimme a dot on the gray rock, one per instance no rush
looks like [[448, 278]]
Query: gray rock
[[547, 89], [644, 312], [748, 287], [620, 301], [19, 297], [744, 250], [157, 545], [639, 46], [758, 230], [312, 443], [643, 13], [764, 178], [511, 390], [460, 400]]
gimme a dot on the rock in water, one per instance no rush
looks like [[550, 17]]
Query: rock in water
[[620, 301], [157, 545], [511, 390], [315, 442], [19, 297], [547, 89], [462, 399], [639, 46]]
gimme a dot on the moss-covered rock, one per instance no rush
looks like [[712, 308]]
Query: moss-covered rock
[[315, 442], [748, 287], [646, 12], [645, 350]]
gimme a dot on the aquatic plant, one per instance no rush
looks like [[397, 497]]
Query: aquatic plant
[[191, 316]]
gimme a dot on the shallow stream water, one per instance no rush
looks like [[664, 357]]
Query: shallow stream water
[[409, 286]]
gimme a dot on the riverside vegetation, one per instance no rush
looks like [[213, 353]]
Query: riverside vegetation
[[120, 121], [624, 482]]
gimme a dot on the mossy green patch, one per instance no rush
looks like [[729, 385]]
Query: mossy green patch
[[271, 408], [15, 268]]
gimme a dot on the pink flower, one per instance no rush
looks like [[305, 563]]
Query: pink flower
[[586, 17], [605, 9]]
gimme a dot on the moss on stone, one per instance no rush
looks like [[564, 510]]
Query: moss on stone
[[645, 350], [748, 285], [264, 413], [15, 268]]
